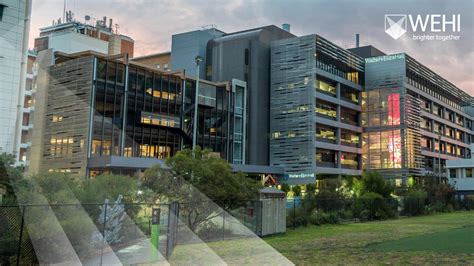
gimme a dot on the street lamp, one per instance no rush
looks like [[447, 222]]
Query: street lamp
[[198, 60]]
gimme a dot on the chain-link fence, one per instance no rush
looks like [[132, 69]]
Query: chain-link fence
[[88, 233], [117, 232]]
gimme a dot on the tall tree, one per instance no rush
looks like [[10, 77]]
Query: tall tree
[[195, 178]]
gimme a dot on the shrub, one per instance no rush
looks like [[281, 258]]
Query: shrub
[[319, 218], [414, 202], [300, 217], [372, 206]]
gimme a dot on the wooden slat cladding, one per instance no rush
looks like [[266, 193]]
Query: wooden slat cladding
[[67, 116]]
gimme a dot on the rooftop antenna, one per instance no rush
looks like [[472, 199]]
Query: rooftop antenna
[[64, 10]]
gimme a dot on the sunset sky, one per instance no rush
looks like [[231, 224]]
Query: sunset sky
[[152, 22]]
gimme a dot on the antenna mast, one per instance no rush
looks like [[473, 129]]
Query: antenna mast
[[64, 11]]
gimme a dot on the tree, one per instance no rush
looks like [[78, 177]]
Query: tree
[[111, 217], [296, 189], [374, 182], [8, 175], [195, 178]]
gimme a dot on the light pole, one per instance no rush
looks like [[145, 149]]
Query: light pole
[[198, 60]]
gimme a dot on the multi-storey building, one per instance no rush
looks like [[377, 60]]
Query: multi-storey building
[[243, 55], [69, 36], [14, 31], [460, 175], [106, 114], [72, 36], [315, 109], [28, 107], [160, 61], [414, 120]]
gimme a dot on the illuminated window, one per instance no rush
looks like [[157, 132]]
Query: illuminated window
[[325, 133], [349, 138], [349, 160], [57, 118], [325, 87], [326, 109], [276, 135]]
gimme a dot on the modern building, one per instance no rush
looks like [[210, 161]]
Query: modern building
[[245, 55], [460, 175], [14, 32], [72, 36], [414, 120], [68, 37], [107, 114], [28, 108], [315, 113], [186, 46], [160, 61]]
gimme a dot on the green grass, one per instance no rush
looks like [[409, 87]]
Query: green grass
[[435, 239], [456, 241]]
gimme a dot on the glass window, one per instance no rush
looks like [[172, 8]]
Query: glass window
[[325, 133], [349, 160], [384, 149], [349, 94], [325, 158], [426, 143], [349, 116], [325, 87], [326, 110], [452, 173], [383, 107], [349, 138], [468, 172]]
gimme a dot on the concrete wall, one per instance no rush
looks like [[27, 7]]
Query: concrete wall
[[73, 42], [227, 57], [186, 46]]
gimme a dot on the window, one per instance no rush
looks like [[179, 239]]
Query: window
[[468, 172], [383, 107], [325, 158], [349, 160], [349, 95], [325, 87], [384, 149], [349, 116], [459, 135], [325, 109], [452, 173], [325, 133], [426, 124], [426, 143], [349, 138]]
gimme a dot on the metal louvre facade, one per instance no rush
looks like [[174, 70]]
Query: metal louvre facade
[[315, 127]]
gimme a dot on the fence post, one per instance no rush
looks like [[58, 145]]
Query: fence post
[[21, 235], [223, 225], [103, 231], [294, 213], [173, 220]]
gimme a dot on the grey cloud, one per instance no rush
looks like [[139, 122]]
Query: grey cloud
[[152, 22]]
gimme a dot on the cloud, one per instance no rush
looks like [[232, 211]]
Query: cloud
[[152, 22]]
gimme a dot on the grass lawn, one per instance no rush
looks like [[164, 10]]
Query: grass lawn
[[434, 239]]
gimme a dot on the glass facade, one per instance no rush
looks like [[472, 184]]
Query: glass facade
[[152, 118]]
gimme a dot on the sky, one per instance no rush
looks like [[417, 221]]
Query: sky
[[152, 22]]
